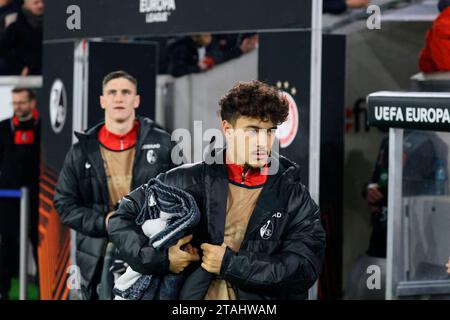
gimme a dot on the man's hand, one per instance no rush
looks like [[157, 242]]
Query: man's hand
[[212, 257], [249, 44], [373, 194], [357, 4], [180, 259], [24, 71], [107, 218]]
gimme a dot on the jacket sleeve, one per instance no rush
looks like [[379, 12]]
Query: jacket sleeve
[[426, 63], [297, 264], [68, 203], [128, 237]]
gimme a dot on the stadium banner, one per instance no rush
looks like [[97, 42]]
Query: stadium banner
[[66, 19], [409, 110], [55, 106]]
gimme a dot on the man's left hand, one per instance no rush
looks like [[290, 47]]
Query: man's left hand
[[212, 257]]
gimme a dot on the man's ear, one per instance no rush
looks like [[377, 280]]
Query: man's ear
[[137, 101], [102, 102], [226, 127], [33, 103]]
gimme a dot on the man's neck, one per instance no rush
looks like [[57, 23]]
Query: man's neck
[[119, 128], [232, 158], [25, 118]]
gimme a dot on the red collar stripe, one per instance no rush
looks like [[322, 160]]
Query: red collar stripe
[[117, 142], [249, 178], [35, 117]]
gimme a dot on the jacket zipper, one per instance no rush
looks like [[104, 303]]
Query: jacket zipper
[[244, 174]]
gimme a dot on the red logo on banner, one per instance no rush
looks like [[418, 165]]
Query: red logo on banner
[[287, 131]]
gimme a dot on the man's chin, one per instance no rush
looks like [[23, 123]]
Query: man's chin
[[256, 165], [120, 119]]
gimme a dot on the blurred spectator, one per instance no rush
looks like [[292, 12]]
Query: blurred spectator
[[232, 46], [21, 43], [163, 49], [422, 155], [190, 54], [199, 53], [435, 56], [19, 166], [340, 6], [8, 13]]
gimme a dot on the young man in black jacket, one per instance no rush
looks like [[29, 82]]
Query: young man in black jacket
[[260, 234], [19, 167], [107, 162]]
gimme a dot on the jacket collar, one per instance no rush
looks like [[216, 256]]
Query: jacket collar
[[246, 177], [117, 142], [145, 126], [34, 117], [89, 142]]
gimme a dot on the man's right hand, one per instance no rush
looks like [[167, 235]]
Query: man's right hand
[[374, 195], [180, 259]]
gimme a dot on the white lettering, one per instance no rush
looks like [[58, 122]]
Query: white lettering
[[378, 113], [146, 6]]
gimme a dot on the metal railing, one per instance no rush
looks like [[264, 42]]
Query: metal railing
[[24, 195]]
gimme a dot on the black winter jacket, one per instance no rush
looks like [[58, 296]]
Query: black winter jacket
[[82, 198], [21, 45], [19, 167], [283, 265]]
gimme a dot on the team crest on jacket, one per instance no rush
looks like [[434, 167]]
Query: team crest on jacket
[[266, 230], [151, 156]]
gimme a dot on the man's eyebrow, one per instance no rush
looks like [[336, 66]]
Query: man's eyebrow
[[111, 91], [126, 90], [259, 128]]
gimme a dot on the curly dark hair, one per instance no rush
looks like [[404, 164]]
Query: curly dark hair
[[254, 99]]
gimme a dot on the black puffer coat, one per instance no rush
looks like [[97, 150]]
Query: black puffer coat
[[280, 264], [81, 197]]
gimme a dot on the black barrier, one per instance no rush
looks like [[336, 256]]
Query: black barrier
[[111, 18], [409, 110]]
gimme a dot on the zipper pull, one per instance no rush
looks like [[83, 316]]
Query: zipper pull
[[244, 174]]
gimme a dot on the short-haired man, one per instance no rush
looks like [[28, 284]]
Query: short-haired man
[[260, 235], [107, 162], [19, 167]]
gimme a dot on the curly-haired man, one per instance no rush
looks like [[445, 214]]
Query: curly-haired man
[[260, 236]]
